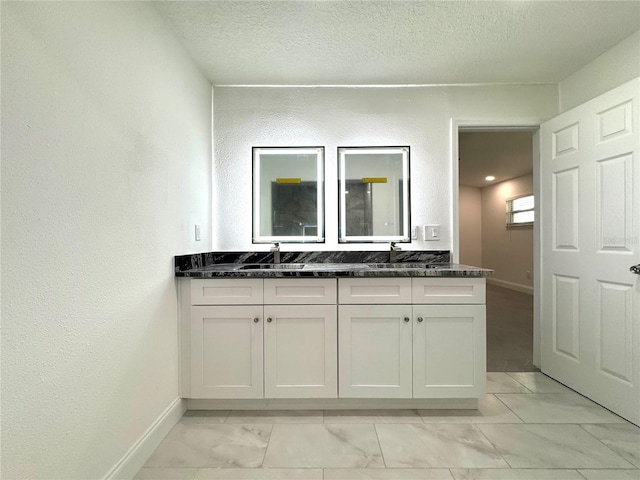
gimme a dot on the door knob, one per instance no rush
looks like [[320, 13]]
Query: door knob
[[406, 319], [269, 319], [420, 319], [635, 269], [256, 320]]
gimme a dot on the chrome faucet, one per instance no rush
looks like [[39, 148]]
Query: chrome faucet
[[276, 253], [393, 253]]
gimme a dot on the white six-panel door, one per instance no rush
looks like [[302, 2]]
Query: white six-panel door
[[590, 228]]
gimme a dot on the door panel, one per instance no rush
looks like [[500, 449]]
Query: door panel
[[615, 352], [375, 358], [449, 353], [614, 203], [589, 210], [615, 121], [566, 315], [226, 352], [300, 350], [566, 209]]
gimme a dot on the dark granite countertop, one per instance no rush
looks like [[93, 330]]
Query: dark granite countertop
[[234, 270], [323, 264]]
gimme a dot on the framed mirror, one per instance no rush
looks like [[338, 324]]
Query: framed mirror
[[373, 194], [288, 194]]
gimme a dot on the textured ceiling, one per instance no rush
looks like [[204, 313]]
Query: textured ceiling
[[396, 42], [505, 155]]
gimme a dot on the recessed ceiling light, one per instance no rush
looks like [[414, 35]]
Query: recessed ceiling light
[[489, 178]]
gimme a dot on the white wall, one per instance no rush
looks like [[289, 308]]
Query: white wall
[[106, 151], [611, 69], [470, 207], [508, 252], [416, 116]]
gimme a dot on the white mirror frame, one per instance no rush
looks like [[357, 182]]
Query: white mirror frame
[[319, 152], [404, 237]]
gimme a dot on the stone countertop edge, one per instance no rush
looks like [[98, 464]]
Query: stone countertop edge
[[336, 270], [324, 264]]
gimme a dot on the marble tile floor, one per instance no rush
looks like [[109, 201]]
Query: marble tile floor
[[527, 427]]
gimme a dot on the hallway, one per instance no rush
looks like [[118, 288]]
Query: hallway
[[509, 330]]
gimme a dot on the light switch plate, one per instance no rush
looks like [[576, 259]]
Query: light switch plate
[[198, 232], [414, 233], [431, 232]]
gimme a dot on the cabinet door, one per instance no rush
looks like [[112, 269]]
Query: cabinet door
[[449, 351], [300, 345], [374, 351], [226, 351]]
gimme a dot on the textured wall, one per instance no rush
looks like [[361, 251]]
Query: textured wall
[[614, 67], [508, 252], [419, 117], [470, 207], [106, 147]]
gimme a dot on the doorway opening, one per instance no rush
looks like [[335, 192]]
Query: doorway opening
[[486, 240]]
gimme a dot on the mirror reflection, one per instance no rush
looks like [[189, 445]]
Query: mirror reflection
[[374, 194], [288, 186]]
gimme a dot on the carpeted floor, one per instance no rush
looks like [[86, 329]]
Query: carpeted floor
[[509, 330]]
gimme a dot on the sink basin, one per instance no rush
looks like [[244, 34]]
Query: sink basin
[[271, 266], [336, 266], [401, 266]]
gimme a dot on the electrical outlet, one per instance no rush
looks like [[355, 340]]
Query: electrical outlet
[[414, 233], [528, 274], [198, 231]]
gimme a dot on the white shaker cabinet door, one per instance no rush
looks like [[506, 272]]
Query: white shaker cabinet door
[[374, 351], [226, 351], [449, 359], [300, 343]]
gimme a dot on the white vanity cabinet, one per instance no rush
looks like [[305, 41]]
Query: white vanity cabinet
[[375, 335], [273, 341], [432, 346], [225, 338], [300, 338], [253, 338]]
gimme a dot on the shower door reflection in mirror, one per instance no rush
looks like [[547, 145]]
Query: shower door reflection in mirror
[[373, 194], [288, 200]]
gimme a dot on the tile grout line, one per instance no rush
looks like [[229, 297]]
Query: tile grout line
[[267, 446], [507, 406], [580, 473], [604, 444], [516, 380], [528, 390], [375, 429]]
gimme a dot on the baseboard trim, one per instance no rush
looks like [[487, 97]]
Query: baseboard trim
[[140, 452], [510, 285], [332, 403]]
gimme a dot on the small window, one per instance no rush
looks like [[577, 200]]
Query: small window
[[520, 211]]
